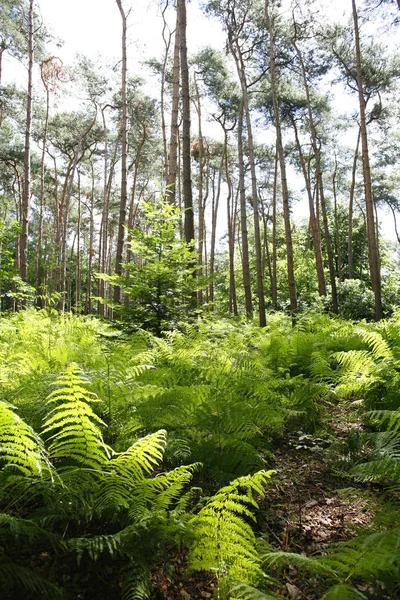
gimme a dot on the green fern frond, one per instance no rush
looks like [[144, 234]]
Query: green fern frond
[[27, 531], [374, 557], [342, 591], [244, 591], [16, 581], [379, 346], [136, 585], [141, 458], [224, 540], [72, 424], [21, 449], [95, 546], [277, 558]]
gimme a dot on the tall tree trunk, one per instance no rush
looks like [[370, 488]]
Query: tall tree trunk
[[317, 156], [337, 229], [39, 289], [351, 207], [314, 222], [241, 70], [186, 158], [329, 252], [78, 252], [171, 175], [214, 214], [27, 154], [202, 158], [373, 253], [124, 166], [167, 44], [88, 297], [231, 216], [274, 279], [243, 218], [279, 145]]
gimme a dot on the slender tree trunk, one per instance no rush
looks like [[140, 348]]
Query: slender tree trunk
[[78, 252], [243, 218], [27, 154], [202, 161], [167, 44], [329, 252], [241, 70], [317, 156], [315, 226], [351, 207], [124, 166], [274, 279], [373, 253], [88, 297], [186, 166], [174, 133], [39, 289], [285, 192], [337, 230], [231, 231], [214, 215]]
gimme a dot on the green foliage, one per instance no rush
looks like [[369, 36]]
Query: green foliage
[[225, 542], [160, 281]]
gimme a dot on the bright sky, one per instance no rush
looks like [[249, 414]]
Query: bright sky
[[93, 27]]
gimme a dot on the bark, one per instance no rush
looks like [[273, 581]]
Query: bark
[[337, 230], [328, 242], [241, 70], [231, 216], [202, 158], [78, 155], [351, 208], [124, 166], [27, 154], [186, 158], [285, 192], [88, 297], [243, 219], [171, 175], [314, 222], [39, 289], [319, 181], [78, 252], [373, 254], [167, 44], [214, 214], [274, 279]]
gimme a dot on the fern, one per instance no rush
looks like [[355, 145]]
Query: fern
[[21, 449], [225, 541], [342, 591], [73, 425], [248, 592], [15, 577]]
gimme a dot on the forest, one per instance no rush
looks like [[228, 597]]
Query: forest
[[200, 304]]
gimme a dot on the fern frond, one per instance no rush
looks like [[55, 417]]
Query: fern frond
[[136, 585], [21, 449], [141, 458], [225, 541], [380, 347], [342, 591], [248, 592], [95, 546], [374, 557], [16, 581], [72, 424], [277, 558]]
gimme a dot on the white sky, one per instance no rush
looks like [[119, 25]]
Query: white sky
[[93, 28]]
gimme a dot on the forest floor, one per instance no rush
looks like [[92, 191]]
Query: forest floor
[[308, 506]]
